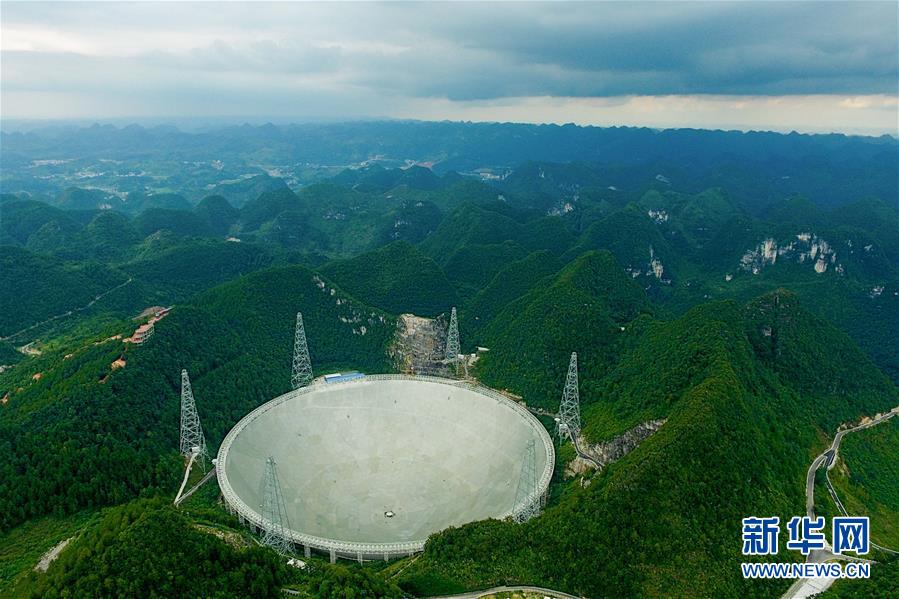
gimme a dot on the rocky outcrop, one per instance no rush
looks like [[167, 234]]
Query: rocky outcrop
[[806, 248], [611, 451], [417, 347]]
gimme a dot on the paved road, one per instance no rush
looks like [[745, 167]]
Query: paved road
[[810, 483], [832, 462], [830, 457], [807, 587], [835, 446]]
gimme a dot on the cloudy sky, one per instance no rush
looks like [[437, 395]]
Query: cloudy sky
[[828, 66]]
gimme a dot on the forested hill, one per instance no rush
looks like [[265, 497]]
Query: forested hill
[[682, 248], [396, 278], [583, 309], [85, 434], [740, 289], [829, 162], [745, 411]]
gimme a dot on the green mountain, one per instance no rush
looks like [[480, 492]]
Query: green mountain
[[866, 478], [412, 221], [331, 219], [638, 245], [798, 211], [84, 435], [109, 237], [180, 222], [240, 192], [218, 214], [471, 267], [396, 278], [291, 229], [875, 216], [491, 224], [467, 225], [127, 552], [178, 272], [346, 221], [104, 560], [582, 310], [546, 233], [377, 179], [510, 283], [266, 207], [745, 414], [75, 198], [883, 584], [138, 202], [850, 281], [35, 287], [20, 219]]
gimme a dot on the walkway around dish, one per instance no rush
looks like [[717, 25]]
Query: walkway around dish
[[493, 591], [507, 589]]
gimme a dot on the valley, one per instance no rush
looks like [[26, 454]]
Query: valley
[[726, 323]]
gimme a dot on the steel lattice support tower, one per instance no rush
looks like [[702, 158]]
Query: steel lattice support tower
[[452, 338], [192, 439], [302, 365], [274, 513], [527, 503], [569, 421]]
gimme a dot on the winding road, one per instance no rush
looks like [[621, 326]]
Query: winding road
[[807, 587]]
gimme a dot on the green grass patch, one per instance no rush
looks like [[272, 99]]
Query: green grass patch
[[22, 547], [867, 479]]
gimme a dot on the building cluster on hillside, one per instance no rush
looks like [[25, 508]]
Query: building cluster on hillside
[[145, 331]]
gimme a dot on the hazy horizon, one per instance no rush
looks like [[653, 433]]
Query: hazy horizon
[[202, 124]]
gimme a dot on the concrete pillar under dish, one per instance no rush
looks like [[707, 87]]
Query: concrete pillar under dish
[[333, 557], [307, 551], [359, 557]]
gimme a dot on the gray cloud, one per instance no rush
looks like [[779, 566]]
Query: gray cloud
[[373, 59]]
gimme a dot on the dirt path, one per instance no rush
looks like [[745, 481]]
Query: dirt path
[[51, 555], [69, 313]]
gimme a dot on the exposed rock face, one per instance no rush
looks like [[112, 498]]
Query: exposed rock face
[[807, 247], [611, 451], [659, 216], [653, 268], [418, 345]]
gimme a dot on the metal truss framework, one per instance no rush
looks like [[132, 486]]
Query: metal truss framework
[[192, 439], [350, 549], [569, 420], [274, 513], [452, 339], [301, 374], [527, 499]]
